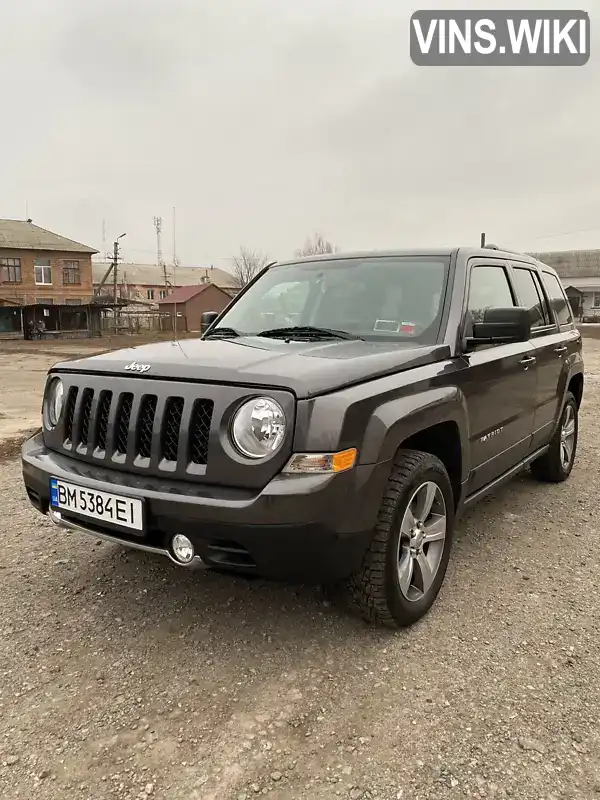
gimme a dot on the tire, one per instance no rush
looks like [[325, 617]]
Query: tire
[[554, 466], [376, 591]]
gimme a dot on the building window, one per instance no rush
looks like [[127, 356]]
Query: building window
[[43, 272], [163, 293], [150, 294], [10, 270], [596, 302], [71, 273], [73, 301], [44, 301]]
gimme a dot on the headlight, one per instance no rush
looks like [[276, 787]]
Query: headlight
[[54, 401], [258, 428]]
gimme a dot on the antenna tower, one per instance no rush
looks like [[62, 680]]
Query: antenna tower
[[159, 255]]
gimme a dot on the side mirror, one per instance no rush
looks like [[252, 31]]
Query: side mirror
[[207, 319], [502, 326]]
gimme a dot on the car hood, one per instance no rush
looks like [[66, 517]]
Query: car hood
[[306, 369]]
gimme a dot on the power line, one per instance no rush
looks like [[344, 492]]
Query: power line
[[565, 233]]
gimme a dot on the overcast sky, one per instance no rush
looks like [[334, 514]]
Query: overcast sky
[[262, 121]]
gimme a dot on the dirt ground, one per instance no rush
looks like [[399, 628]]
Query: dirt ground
[[124, 677]]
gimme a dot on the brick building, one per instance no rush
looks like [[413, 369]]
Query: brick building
[[41, 267], [190, 302]]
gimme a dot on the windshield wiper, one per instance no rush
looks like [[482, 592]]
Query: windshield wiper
[[307, 332], [222, 333]]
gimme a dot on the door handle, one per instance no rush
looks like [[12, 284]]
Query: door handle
[[560, 349], [527, 360]]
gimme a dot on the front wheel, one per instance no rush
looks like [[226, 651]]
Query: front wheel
[[557, 462], [406, 562]]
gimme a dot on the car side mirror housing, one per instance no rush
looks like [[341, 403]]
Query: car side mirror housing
[[502, 326], [207, 319]]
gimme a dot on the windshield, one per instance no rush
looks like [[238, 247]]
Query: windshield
[[376, 298]]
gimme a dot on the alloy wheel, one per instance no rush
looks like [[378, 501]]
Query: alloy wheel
[[421, 542]]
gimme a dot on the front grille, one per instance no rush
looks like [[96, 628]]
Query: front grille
[[138, 431]]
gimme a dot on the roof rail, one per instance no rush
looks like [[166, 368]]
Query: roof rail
[[504, 249]]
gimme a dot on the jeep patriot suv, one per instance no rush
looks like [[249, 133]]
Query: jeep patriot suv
[[329, 426]]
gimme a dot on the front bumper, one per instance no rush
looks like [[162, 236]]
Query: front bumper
[[299, 527]]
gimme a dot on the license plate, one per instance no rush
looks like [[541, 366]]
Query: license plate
[[127, 512]]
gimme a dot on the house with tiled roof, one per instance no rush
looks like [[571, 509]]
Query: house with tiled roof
[[188, 303], [150, 283]]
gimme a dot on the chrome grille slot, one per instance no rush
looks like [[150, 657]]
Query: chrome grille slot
[[171, 426], [85, 414], [104, 404], [200, 430], [70, 413], [122, 421], [145, 426]]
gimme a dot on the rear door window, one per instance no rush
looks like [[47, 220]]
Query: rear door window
[[530, 296]]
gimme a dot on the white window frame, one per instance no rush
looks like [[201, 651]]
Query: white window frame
[[46, 270], [594, 296]]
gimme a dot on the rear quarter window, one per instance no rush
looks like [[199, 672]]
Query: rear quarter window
[[558, 299]]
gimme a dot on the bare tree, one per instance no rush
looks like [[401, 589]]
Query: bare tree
[[317, 245], [246, 265]]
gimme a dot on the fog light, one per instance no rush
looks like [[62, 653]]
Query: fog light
[[183, 549]]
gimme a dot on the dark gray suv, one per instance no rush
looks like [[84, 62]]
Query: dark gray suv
[[330, 425]]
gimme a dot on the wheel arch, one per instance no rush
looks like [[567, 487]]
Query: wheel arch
[[434, 421], [575, 386], [443, 441]]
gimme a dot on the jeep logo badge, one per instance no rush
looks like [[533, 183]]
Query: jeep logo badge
[[135, 367]]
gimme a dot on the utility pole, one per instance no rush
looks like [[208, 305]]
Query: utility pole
[[115, 269], [174, 284], [483, 240]]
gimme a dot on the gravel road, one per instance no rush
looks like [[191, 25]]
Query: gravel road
[[124, 677]]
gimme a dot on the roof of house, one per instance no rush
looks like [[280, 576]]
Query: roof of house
[[153, 275], [572, 263], [184, 293], [16, 234]]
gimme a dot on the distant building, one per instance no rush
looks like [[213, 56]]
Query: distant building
[[145, 283], [39, 266], [579, 271], [188, 303]]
